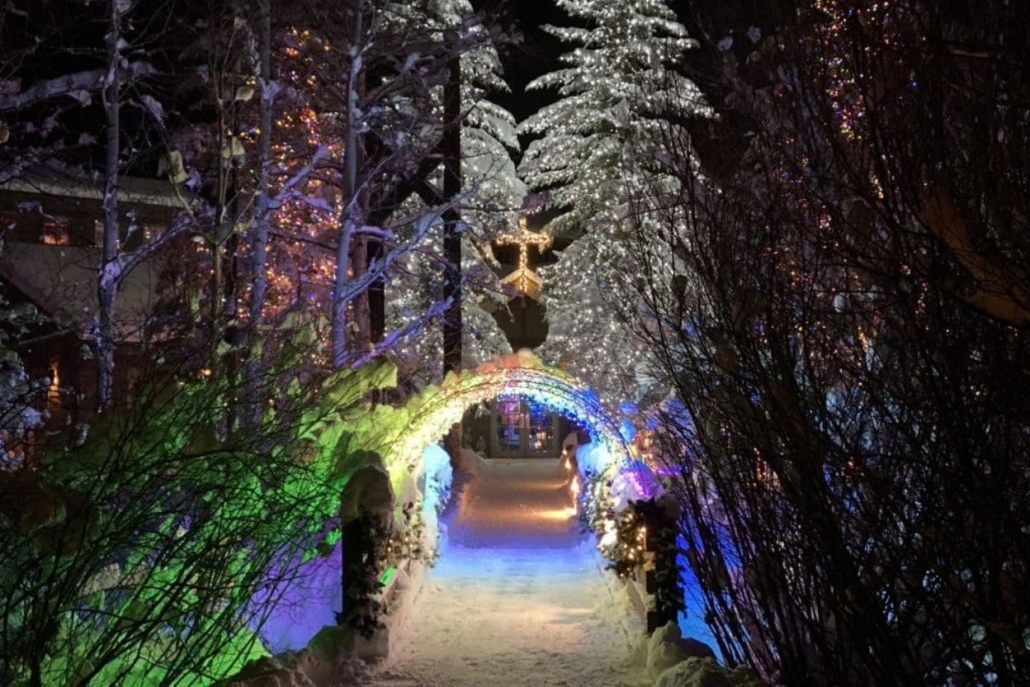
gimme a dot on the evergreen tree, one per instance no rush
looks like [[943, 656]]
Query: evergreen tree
[[617, 94], [493, 194], [418, 285]]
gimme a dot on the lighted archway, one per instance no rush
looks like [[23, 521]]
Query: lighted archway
[[436, 410], [400, 435]]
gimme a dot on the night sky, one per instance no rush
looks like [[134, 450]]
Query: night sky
[[536, 54]]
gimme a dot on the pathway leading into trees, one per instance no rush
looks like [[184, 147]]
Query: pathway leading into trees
[[517, 596]]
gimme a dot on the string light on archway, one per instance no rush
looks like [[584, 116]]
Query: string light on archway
[[523, 375]]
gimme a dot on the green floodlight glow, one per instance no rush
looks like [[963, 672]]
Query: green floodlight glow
[[387, 575]]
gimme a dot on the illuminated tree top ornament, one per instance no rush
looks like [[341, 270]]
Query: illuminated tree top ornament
[[527, 282], [435, 410]]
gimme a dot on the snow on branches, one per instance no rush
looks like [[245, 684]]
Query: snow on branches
[[595, 155]]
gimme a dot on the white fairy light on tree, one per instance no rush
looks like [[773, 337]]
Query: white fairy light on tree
[[493, 194], [619, 92], [417, 285]]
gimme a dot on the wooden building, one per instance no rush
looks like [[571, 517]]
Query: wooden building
[[51, 232]]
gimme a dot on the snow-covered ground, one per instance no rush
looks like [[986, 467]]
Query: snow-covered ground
[[518, 596]]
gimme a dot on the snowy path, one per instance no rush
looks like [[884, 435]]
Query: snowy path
[[517, 597]]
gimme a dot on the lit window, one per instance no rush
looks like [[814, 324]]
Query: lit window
[[55, 232]]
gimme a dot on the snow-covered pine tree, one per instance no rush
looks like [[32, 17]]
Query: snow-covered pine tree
[[413, 291], [493, 194], [618, 91]]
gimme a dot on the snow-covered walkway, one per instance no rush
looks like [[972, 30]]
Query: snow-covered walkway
[[517, 597]]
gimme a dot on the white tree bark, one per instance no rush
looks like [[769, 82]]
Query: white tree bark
[[262, 209], [349, 220], [110, 269], [262, 215]]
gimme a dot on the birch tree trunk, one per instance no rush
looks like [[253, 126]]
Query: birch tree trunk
[[108, 278], [259, 247], [262, 213], [348, 221], [225, 220]]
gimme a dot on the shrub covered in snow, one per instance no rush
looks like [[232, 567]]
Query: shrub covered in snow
[[20, 393], [437, 478], [705, 672], [152, 553], [667, 648], [592, 460]]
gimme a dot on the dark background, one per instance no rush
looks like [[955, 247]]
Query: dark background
[[536, 54]]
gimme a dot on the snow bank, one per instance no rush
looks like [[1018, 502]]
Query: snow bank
[[470, 466], [705, 672], [305, 603], [435, 481], [623, 492], [325, 664], [667, 648], [592, 459], [675, 661], [437, 478]]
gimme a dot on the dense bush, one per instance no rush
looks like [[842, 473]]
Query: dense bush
[[152, 553], [841, 304]]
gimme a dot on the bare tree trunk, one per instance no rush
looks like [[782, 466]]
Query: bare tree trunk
[[362, 311], [339, 326], [262, 212], [452, 326], [220, 233], [347, 225], [348, 221], [376, 294], [215, 311], [107, 281], [259, 281]]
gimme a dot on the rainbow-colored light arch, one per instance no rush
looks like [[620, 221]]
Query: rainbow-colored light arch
[[435, 410]]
